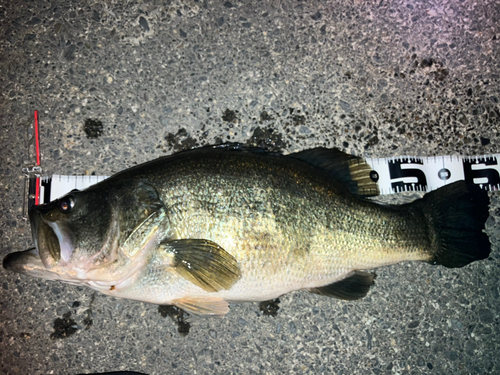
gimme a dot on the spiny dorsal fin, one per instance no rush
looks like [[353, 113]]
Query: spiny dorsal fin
[[352, 287], [204, 263], [352, 171]]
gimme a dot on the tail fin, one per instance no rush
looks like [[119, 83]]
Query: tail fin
[[456, 216]]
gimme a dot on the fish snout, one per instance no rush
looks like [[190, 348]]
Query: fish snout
[[21, 261]]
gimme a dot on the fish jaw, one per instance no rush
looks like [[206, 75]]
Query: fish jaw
[[29, 263], [49, 258], [45, 239]]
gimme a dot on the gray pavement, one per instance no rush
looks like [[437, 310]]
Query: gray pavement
[[374, 78]]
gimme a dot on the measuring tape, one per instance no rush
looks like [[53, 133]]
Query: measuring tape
[[393, 175], [410, 173]]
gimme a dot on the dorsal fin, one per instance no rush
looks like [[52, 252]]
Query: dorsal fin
[[352, 171]]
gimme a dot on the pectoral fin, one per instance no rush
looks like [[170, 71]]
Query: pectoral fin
[[352, 287], [203, 306], [204, 263]]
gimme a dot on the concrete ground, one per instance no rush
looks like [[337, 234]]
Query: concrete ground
[[374, 78]]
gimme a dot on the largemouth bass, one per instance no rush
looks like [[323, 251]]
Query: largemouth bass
[[215, 225]]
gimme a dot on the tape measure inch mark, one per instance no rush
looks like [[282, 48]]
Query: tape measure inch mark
[[410, 173]]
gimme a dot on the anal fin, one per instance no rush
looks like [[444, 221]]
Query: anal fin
[[208, 306], [355, 286]]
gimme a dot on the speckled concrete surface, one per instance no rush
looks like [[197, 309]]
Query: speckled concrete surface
[[374, 78]]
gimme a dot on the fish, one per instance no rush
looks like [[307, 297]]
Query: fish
[[226, 224]]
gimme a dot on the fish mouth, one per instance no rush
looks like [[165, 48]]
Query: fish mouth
[[47, 244], [53, 246], [27, 262], [21, 261], [30, 262], [52, 239], [45, 239]]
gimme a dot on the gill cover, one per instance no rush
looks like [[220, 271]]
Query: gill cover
[[141, 213], [75, 225], [84, 229]]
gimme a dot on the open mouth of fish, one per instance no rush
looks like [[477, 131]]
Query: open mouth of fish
[[51, 245]]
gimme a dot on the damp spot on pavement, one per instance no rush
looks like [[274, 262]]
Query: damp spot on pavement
[[270, 308], [230, 116], [88, 321], [178, 316], [267, 139], [181, 141], [265, 116], [64, 327], [93, 128], [144, 23]]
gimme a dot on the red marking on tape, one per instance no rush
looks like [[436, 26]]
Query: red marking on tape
[[37, 151]]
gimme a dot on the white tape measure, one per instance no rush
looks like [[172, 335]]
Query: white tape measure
[[410, 173], [393, 175]]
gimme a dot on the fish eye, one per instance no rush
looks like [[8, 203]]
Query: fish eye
[[66, 204]]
